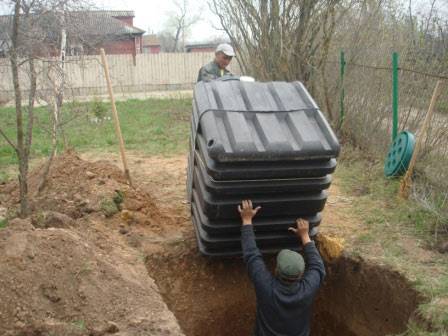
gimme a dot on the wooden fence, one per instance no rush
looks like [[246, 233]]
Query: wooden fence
[[145, 72]]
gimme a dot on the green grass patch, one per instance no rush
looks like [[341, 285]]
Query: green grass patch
[[80, 325], [379, 203], [3, 223], [153, 126], [398, 227]]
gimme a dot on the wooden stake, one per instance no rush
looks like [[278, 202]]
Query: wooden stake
[[406, 182], [115, 115]]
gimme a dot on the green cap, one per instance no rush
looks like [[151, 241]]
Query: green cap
[[290, 264]]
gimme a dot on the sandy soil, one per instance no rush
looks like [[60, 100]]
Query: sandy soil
[[73, 268]]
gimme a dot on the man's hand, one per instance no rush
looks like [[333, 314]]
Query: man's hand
[[302, 230], [247, 212]]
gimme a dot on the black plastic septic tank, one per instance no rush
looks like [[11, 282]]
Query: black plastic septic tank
[[265, 141], [255, 121]]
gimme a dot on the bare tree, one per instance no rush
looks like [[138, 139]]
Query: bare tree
[[166, 39], [280, 39], [22, 145], [369, 34], [29, 38], [55, 100], [178, 25]]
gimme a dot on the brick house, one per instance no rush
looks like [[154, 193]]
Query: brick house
[[151, 44], [118, 26], [87, 31]]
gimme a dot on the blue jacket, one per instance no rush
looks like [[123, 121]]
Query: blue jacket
[[282, 309]]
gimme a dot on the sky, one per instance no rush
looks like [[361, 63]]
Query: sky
[[151, 15]]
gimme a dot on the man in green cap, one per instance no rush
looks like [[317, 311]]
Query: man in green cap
[[284, 301], [218, 67]]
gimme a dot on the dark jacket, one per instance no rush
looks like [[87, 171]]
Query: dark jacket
[[282, 309], [211, 71]]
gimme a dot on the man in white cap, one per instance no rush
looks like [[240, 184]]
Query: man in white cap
[[217, 68]]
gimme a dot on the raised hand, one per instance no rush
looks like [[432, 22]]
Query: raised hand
[[247, 212], [302, 230]]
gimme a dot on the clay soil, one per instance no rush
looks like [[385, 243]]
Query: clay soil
[[118, 274], [69, 269]]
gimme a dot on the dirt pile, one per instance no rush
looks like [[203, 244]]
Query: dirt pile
[[55, 281], [77, 188], [70, 269]]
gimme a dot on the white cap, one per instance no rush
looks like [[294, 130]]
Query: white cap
[[226, 49]]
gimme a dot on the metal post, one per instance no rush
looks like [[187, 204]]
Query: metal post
[[342, 90], [394, 95]]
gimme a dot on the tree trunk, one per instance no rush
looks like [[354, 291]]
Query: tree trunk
[[31, 101], [54, 144], [21, 150], [57, 107], [176, 38]]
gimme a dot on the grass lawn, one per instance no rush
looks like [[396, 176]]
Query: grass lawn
[[153, 126]]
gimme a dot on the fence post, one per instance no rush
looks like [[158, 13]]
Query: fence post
[[394, 95], [342, 90]]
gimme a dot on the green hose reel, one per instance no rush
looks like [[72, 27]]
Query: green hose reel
[[399, 155]]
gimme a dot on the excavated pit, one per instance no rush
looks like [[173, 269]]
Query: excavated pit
[[207, 296], [215, 297]]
